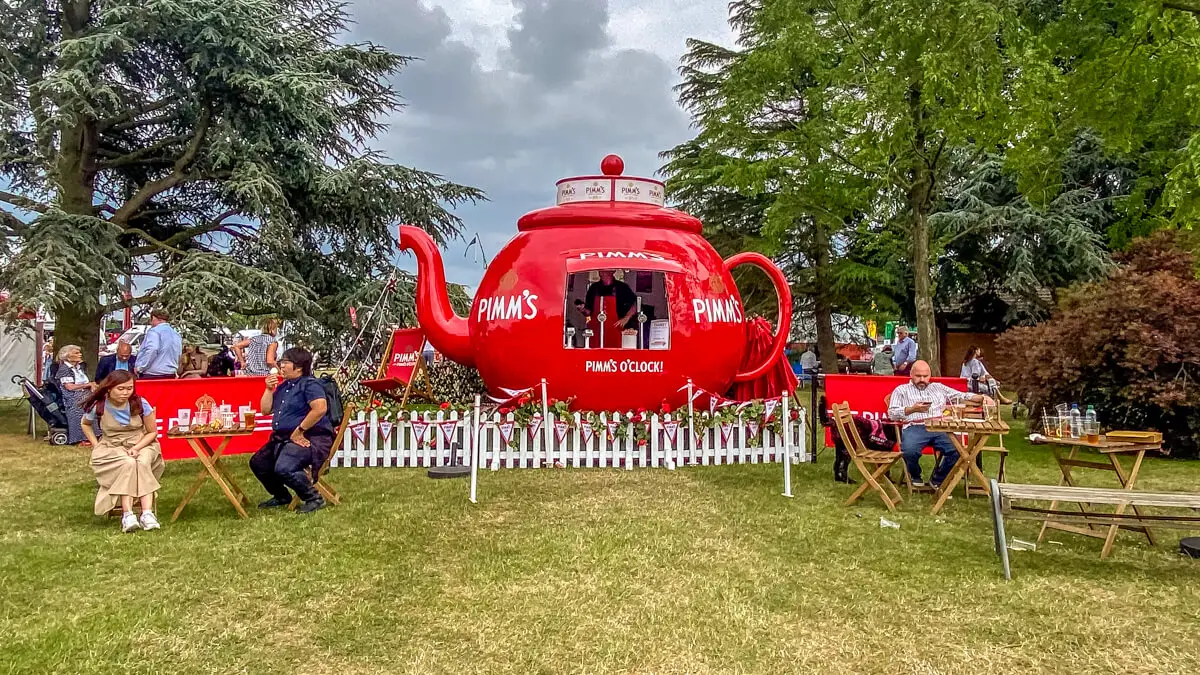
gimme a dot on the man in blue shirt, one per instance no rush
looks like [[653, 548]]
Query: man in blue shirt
[[122, 360], [904, 354], [161, 349], [301, 433]]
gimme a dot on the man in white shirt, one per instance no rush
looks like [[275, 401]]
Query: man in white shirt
[[915, 402]]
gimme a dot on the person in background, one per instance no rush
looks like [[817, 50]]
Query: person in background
[[980, 379], [916, 401], [881, 363], [193, 363], [161, 348], [126, 457], [808, 360], [221, 365], [301, 433], [75, 386], [904, 354], [48, 361], [257, 354], [122, 360]]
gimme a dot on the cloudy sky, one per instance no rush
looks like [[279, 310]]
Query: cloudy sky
[[511, 95]]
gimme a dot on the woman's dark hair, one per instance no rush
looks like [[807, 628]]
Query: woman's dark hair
[[107, 384], [300, 358], [972, 352]]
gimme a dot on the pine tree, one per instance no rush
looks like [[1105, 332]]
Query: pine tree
[[219, 146]]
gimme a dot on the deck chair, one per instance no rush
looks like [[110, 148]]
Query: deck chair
[[322, 485], [872, 464], [401, 376]]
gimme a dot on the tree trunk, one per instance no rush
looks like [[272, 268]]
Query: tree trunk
[[79, 322], [920, 203], [822, 307]]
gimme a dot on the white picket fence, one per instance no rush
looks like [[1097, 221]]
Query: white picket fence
[[432, 439]]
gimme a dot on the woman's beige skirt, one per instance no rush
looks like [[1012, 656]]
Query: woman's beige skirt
[[119, 474]]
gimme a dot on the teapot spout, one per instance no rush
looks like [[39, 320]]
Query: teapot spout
[[445, 330]]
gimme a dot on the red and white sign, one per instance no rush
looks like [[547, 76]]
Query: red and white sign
[[865, 393], [448, 428], [406, 349], [560, 430]]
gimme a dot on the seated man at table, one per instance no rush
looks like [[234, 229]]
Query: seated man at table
[[912, 404], [301, 433]]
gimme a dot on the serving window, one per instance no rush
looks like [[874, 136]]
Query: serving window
[[614, 308]]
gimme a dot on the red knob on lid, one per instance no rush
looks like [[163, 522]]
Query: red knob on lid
[[612, 165]]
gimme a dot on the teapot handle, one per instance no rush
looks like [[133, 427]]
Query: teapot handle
[[782, 291]]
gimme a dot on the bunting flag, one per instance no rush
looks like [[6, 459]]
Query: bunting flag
[[713, 402], [752, 426], [769, 409], [353, 316], [697, 392], [588, 432], [419, 428], [385, 429], [726, 430], [448, 428], [511, 395], [359, 429], [560, 430], [672, 429], [535, 425], [506, 429], [612, 429]]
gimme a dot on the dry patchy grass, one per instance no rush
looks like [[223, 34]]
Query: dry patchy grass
[[692, 571]]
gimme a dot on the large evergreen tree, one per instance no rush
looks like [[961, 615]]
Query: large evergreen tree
[[219, 147]]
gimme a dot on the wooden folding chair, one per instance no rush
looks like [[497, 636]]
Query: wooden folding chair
[[117, 512], [322, 485], [862, 458]]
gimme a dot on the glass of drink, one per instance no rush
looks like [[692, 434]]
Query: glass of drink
[[1091, 432], [248, 419], [185, 420]]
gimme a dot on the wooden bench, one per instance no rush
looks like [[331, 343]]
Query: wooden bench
[[1005, 494]]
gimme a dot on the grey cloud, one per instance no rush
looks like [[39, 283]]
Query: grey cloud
[[514, 133], [553, 38]]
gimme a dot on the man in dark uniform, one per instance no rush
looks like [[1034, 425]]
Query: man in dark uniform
[[301, 433], [626, 307]]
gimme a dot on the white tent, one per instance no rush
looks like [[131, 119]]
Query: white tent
[[18, 356]]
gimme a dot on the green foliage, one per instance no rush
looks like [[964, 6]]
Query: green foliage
[[218, 143], [455, 383], [1125, 345]]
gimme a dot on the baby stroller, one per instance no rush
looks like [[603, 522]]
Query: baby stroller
[[46, 408]]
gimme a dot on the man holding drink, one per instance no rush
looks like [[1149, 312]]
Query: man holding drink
[[919, 400], [301, 433]]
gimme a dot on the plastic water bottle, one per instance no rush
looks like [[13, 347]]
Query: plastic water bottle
[[1076, 421], [1090, 415]]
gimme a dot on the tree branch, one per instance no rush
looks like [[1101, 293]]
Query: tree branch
[[1182, 7], [144, 154], [191, 233], [128, 119], [148, 298], [15, 226], [158, 245], [178, 175], [23, 202]]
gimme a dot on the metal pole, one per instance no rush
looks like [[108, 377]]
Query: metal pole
[[787, 447], [812, 432], [547, 431], [475, 426], [691, 417], [641, 319]]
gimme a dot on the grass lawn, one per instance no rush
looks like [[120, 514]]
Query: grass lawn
[[697, 570]]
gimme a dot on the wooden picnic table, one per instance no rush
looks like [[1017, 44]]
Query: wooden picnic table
[[1066, 451], [213, 468], [977, 433]]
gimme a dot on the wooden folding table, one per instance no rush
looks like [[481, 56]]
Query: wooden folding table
[[1065, 454], [977, 433], [213, 468]]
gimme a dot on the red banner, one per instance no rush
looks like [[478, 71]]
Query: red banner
[[406, 349], [865, 393], [170, 396]]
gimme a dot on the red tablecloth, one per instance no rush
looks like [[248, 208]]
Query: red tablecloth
[[170, 396]]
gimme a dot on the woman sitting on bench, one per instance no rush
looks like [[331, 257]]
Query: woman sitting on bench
[[126, 457]]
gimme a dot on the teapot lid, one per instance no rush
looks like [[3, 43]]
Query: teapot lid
[[610, 199], [611, 187]]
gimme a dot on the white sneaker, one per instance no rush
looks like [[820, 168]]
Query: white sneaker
[[149, 522], [129, 522]]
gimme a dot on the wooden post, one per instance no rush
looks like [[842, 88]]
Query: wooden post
[[787, 448]]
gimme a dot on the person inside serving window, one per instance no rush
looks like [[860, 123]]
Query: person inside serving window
[[301, 433], [916, 401], [616, 301]]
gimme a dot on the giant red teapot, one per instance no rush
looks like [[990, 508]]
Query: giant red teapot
[[610, 296]]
